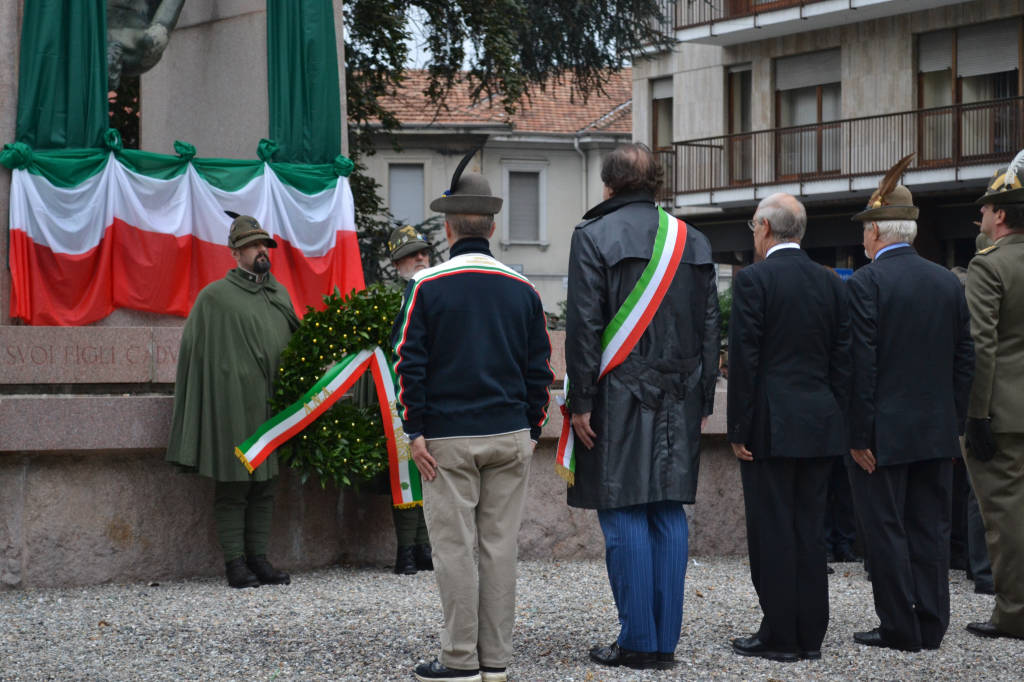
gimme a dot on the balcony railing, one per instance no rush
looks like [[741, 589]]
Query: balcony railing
[[943, 137], [698, 12]]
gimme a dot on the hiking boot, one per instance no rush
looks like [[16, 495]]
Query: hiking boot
[[239, 574], [267, 574]]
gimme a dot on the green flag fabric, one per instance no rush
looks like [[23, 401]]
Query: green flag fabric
[[62, 82], [302, 75]]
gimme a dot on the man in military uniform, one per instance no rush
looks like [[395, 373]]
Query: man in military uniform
[[230, 351], [995, 426], [410, 253]]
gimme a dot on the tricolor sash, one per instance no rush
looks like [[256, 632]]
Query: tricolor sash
[[629, 324], [405, 477]]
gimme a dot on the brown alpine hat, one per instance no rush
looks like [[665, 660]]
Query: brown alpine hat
[[469, 193], [1006, 187], [245, 230], [891, 201]]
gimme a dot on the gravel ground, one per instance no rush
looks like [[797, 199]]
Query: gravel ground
[[361, 624]]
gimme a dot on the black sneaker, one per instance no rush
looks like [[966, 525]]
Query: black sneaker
[[493, 674], [425, 672]]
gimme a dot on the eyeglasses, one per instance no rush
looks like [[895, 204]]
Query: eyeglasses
[[752, 224]]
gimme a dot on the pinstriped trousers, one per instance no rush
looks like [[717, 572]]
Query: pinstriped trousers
[[646, 548]]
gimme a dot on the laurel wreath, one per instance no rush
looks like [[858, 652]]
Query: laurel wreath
[[345, 445]]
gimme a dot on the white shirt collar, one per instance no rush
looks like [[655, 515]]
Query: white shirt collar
[[783, 245]]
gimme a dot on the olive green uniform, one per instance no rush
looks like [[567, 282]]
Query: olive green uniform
[[995, 297], [230, 351]]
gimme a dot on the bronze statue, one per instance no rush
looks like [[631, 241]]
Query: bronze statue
[[137, 34]]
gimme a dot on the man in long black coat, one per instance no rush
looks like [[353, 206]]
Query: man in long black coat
[[640, 423], [789, 372], [912, 365]]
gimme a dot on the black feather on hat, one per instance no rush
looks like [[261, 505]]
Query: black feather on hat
[[468, 193]]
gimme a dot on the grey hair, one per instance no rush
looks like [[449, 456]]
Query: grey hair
[[787, 216], [897, 230]]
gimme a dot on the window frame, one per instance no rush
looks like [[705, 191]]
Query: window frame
[[525, 166], [422, 161]]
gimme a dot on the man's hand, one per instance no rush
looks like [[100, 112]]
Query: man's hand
[[865, 458], [582, 430], [741, 452], [704, 423], [425, 462], [981, 444]]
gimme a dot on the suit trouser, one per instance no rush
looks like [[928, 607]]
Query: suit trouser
[[646, 548], [906, 509], [410, 526], [242, 512], [784, 499], [999, 485], [977, 550], [840, 524], [477, 501]]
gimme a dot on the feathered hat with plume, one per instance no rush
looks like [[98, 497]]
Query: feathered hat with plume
[[1007, 184], [245, 230], [891, 201], [468, 193]]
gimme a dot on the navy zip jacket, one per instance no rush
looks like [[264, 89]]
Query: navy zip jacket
[[472, 349]]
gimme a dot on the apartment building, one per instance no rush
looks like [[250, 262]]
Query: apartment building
[[545, 161], [819, 98]]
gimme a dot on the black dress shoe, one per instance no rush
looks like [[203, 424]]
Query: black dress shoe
[[664, 661], [424, 560], [845, 556], [753, 646], [987, 629], [405, 561], [829, 570], [435, 671], [267, 574], [614, 655], [875, 638], [811, 654], [984, 589], [239, 574]]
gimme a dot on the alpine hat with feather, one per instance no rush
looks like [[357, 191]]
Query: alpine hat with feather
[[469, 193], [1006, 186], [245, 230], [891, 201]]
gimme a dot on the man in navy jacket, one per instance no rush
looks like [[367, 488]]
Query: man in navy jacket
[[912, 365], [472, 355], [789, 373]]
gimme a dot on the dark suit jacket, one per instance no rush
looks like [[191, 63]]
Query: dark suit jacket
[[912, 359], [789, 361]]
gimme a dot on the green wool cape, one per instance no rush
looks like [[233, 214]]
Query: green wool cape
[[227, 366]]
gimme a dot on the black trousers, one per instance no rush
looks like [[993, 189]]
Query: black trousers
[[784, 498], [905, 510]]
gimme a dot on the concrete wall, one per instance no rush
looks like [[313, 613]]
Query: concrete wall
[[85, 496]]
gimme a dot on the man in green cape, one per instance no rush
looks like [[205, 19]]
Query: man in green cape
[[230, 351]]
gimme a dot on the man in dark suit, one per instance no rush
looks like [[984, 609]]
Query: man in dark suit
[[789, 373], [912, 365]]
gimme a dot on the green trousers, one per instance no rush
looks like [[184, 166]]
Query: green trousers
[[999, 486], [242, 513], [410, 528]]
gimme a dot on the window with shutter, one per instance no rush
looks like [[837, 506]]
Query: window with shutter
[[405, 192]]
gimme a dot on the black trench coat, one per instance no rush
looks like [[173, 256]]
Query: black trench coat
[[647, 411]]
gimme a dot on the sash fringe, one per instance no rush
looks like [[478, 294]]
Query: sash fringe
[[566, 475]]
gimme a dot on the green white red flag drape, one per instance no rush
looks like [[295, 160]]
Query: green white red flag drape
[[406, 490], [95, 230]]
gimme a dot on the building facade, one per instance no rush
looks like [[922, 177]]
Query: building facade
[[819, 98], [545, 161]]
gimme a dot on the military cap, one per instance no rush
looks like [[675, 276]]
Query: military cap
[[1005, 187], [405, 241], [891, 201], [468, 193], [245, 230]]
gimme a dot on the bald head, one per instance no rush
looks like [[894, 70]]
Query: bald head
[[786, 215]]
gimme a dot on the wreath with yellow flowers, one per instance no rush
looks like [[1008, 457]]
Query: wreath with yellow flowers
[[346, 444]]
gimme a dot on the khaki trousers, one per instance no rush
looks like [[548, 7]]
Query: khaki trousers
[[999, 487], [477, 501]]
